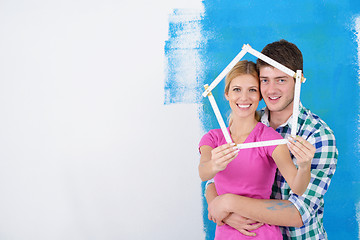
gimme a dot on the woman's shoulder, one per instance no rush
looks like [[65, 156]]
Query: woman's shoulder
[[213, 138], [215, 134], [216, 131]]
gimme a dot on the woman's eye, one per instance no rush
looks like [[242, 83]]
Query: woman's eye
[[236, 89], [282, 80], [253, 90]]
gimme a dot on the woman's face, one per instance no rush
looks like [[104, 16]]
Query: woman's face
[[244, 95]]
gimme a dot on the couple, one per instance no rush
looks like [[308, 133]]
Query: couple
[[241, 201]]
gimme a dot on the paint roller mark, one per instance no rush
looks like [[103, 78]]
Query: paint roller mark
[[357, 33], [184, 70], [358, 216]]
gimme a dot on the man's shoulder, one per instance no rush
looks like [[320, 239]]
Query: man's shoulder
[[312, 123]]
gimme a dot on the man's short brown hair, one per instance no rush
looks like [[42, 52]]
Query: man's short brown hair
[[285, 53]]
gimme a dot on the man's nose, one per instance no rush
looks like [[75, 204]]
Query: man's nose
[[271, 87]]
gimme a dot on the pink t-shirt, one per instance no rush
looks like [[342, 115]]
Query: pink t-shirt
[[250, 174]]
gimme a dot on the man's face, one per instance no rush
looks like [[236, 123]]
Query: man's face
[[277, 89]]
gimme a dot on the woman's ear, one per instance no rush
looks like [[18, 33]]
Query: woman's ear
[[226, 96]]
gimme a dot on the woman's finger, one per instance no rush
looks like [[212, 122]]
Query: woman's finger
[[295, 147], [306, 146], [302, 148], [225, 155], [304, 142], [223, 147]]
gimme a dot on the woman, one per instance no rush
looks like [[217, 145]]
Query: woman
[[247, 172]]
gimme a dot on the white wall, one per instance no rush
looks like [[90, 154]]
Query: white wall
[[88, 149]]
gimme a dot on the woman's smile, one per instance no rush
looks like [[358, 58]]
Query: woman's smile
[[244, 95]]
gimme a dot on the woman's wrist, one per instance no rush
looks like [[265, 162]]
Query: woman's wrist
[[305, 167]]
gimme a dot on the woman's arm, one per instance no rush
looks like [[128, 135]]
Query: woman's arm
[[215, 160], [298, 179]]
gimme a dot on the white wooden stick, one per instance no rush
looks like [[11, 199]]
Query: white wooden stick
[[296, 102], [224, 72], [262, 144], [218, 116], [270, 61], [247, 48]]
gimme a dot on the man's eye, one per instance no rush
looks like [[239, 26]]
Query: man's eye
[[282, 80], [263, 81]]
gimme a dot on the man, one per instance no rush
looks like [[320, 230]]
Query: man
[[302, 215]]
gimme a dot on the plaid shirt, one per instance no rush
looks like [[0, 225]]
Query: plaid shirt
[[311, 203]]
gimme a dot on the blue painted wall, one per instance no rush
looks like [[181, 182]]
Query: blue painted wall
[[324, 32]]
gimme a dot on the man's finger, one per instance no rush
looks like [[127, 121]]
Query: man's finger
[[247, 233], [221, 223], [252, 227]]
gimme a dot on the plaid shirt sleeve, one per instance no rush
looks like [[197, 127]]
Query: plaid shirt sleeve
[[322, 169]]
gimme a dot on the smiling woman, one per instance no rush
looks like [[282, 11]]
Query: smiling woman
[[243, 96], [240, 86]]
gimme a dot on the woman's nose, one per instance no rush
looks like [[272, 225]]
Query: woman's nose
[[243, 95]]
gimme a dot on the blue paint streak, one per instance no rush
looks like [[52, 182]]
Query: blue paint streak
[[323, 32], [179, 51]]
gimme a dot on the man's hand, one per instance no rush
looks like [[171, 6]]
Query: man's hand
[[217, 209], [242, 224], [219, 215]]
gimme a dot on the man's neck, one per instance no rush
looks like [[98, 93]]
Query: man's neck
[[278, 118]]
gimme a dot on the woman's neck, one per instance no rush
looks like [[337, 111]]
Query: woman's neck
[[240, 128]]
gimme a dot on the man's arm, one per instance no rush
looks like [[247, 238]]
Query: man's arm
[[210, 193], [270, 211], [243, 225]]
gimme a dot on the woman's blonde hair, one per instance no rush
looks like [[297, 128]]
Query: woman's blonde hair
[[242, 68]]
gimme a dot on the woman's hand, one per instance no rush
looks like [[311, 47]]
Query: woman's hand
[[215, 160], [302, 150], [223, 155]]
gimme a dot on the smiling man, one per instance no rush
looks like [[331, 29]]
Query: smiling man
[[300, 216]]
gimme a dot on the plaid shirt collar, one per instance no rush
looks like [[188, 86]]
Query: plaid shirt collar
[[265, 114]]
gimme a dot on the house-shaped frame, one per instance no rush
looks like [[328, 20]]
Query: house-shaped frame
[[298, 79]]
